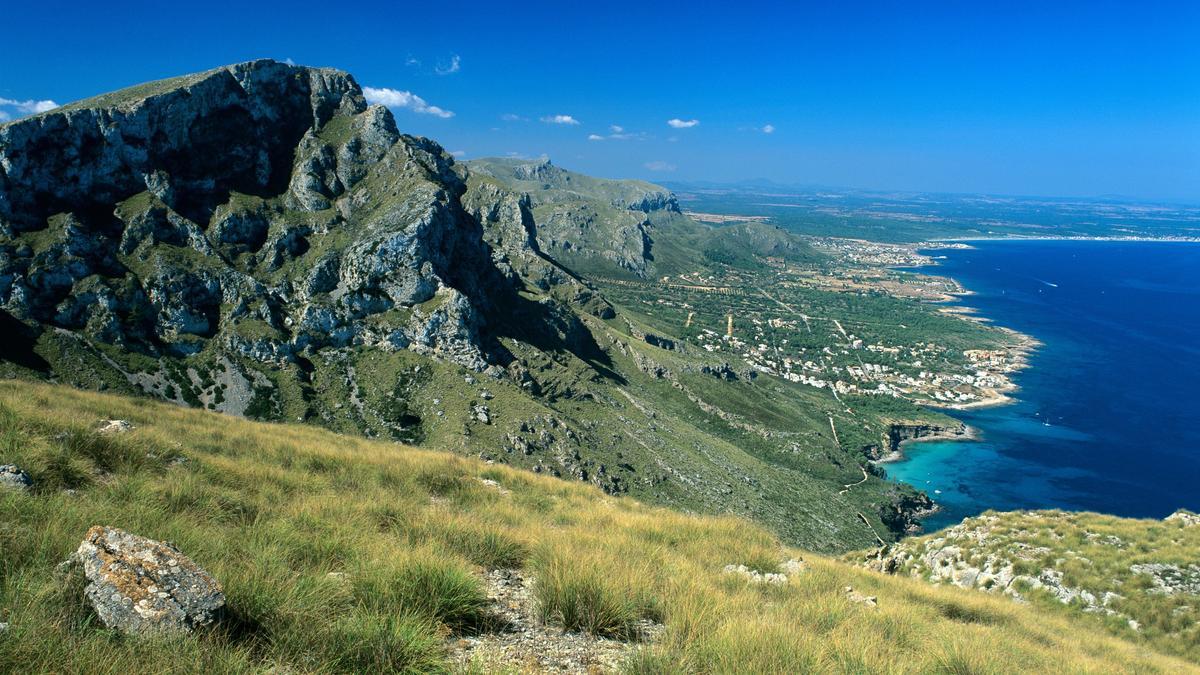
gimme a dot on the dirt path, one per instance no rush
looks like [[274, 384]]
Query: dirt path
[[868, 524], [840, 329], [518, 641], [846, 488]]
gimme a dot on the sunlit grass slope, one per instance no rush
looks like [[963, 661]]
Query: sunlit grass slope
[[272, 510], [1136, 578]]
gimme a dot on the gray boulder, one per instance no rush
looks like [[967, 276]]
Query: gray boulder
[[14, 477], [138, 585]]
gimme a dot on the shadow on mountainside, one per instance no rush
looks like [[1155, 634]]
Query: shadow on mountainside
[[18, 344]]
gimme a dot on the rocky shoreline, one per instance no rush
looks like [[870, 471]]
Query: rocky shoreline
[[901, 434], [1015, 358]]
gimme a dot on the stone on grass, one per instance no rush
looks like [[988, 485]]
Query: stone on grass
[[139, 585], [115, 427], [14, 477], [787, 570], [482, 413], [854, 596]]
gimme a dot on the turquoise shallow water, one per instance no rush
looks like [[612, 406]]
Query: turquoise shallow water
[[1108, 414]]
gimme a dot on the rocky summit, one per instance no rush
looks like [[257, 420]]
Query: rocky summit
[[261, 205], [259, 241]]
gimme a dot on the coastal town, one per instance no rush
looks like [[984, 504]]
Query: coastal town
[[900, 371], [827, 326]]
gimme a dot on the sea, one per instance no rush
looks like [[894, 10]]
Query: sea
[[1107, 416]]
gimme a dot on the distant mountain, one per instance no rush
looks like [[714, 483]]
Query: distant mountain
[[589, 224]]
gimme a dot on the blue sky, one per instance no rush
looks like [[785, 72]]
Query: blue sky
[[1040, 98]]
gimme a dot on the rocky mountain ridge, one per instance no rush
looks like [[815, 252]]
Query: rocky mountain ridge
[[258, 240], [220, 172]]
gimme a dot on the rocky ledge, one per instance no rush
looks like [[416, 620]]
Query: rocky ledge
[[890, 448]]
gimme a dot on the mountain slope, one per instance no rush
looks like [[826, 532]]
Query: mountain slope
[[340, 554], [257, 240], [591, 225], [629, 228]]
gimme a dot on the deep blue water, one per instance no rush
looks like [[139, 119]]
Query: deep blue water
[[1108, 414]]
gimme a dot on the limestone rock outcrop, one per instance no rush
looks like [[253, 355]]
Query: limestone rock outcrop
[[137, 585], [262, 205]]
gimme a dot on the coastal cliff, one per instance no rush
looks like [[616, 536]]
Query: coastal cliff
[[890, 447]]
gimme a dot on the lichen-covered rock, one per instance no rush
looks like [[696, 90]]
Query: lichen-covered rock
[[13, 477], [138, 585], [1170, 579]]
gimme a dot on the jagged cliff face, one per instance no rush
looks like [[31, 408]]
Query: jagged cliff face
[[262, 205]]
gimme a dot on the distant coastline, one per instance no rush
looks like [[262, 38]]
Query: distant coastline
[[1107, 378], [1017, 237], [1018, 351]]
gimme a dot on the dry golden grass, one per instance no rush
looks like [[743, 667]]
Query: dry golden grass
[[271, 510]]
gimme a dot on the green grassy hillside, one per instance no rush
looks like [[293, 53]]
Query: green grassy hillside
[[1139, 579], [341, 554]]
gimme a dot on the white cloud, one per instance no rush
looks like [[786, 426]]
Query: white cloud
[[560, 119], [618, 134], [21, 108], [4, 117], [522, 156], [412, 61], [289, 61], [659, 165], [454, 66], [676, 123], [458, 153], [768, 129], [393, 98], [513, 117]]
